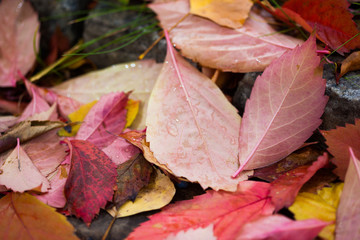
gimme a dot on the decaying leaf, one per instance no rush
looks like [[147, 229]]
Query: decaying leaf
[[351, 63], [25, 131], [228, 212], [250, 48], [348, 212], [285, 188], [339, 140], [132, 109], [231, 13], [91, 180], [132, 176], [104, 120], [138, 77], [320, 206], [19, 173], [157, 194], [197, 139], [26, 218], [284, 108], [18, 23]]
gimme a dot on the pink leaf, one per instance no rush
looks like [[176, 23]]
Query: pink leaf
[[348, 212], [120, 150], [247, 49], [228, 212], [105, 119], [206, 233], [192, 128], [281, 228], [286, 187], [284, 108], [18, 24], [339, 140], [20, 174]]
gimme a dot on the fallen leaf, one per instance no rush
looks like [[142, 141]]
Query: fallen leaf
[[330, 18], [197, 139], [55, 197], [250, 48], [286, 187], [281, 228], [157, 194], [132, 176], [284, 108], [205, 233], [6, 122], [18, 23], [25, 131], [59, 43], [120, 151], [339, 140], [91, 180], [296, 159], [104, 120], [138, 77], [132, 109], [228, 212], [26, 218], [348, 212], [231, 13], [351, 63], [320, 206], [77, 116], [19, 174]]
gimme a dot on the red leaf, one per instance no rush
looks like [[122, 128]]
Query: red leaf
[[339, 140], [286, 187], [331, 19], [107, 115], [348, 212], [284, 108], [247, 49], [227, 211], [91, 180], [18, 24]]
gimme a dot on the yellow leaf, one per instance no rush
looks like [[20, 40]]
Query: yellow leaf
[[321, 206], [132, 108], [77, 116], [228, 13], [157, 194], [24, 217]]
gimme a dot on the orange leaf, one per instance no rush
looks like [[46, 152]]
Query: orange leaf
[[24, 217]]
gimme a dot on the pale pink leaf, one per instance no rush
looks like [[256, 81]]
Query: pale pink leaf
[[20, 174], [46, 152], [247, 49], [348, 211], [55, 197], [226, 211], [205, 233], [18, 24], [192, 128], [104, 120], [120, 150], [6, 122], [138, 77], [286, 187], [281, 228], [284, 108]]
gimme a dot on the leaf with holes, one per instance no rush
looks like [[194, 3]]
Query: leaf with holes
[[91, 180], [284, 108], [191, 127]]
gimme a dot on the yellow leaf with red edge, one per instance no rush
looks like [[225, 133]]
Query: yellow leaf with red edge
[[228, 13], [321, 206], [24, 217], [132, 108]]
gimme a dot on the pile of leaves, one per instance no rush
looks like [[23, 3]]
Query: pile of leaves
[[119, 138]]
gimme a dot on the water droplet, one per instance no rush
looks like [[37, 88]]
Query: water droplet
[[196, 111], [223, 129], [232, 141], [181, 153], [177, 120], [126, 66], [257, 60], [174, 89], [172, 129], [133, 65]]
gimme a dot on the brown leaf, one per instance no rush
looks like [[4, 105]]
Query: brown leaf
[[351, 63], [25, 131], [26, 218], [133, 175]]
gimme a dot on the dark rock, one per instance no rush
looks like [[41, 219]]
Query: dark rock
[[58, 13], [100, 25]]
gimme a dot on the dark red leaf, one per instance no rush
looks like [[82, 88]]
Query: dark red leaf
[[91, 180]]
